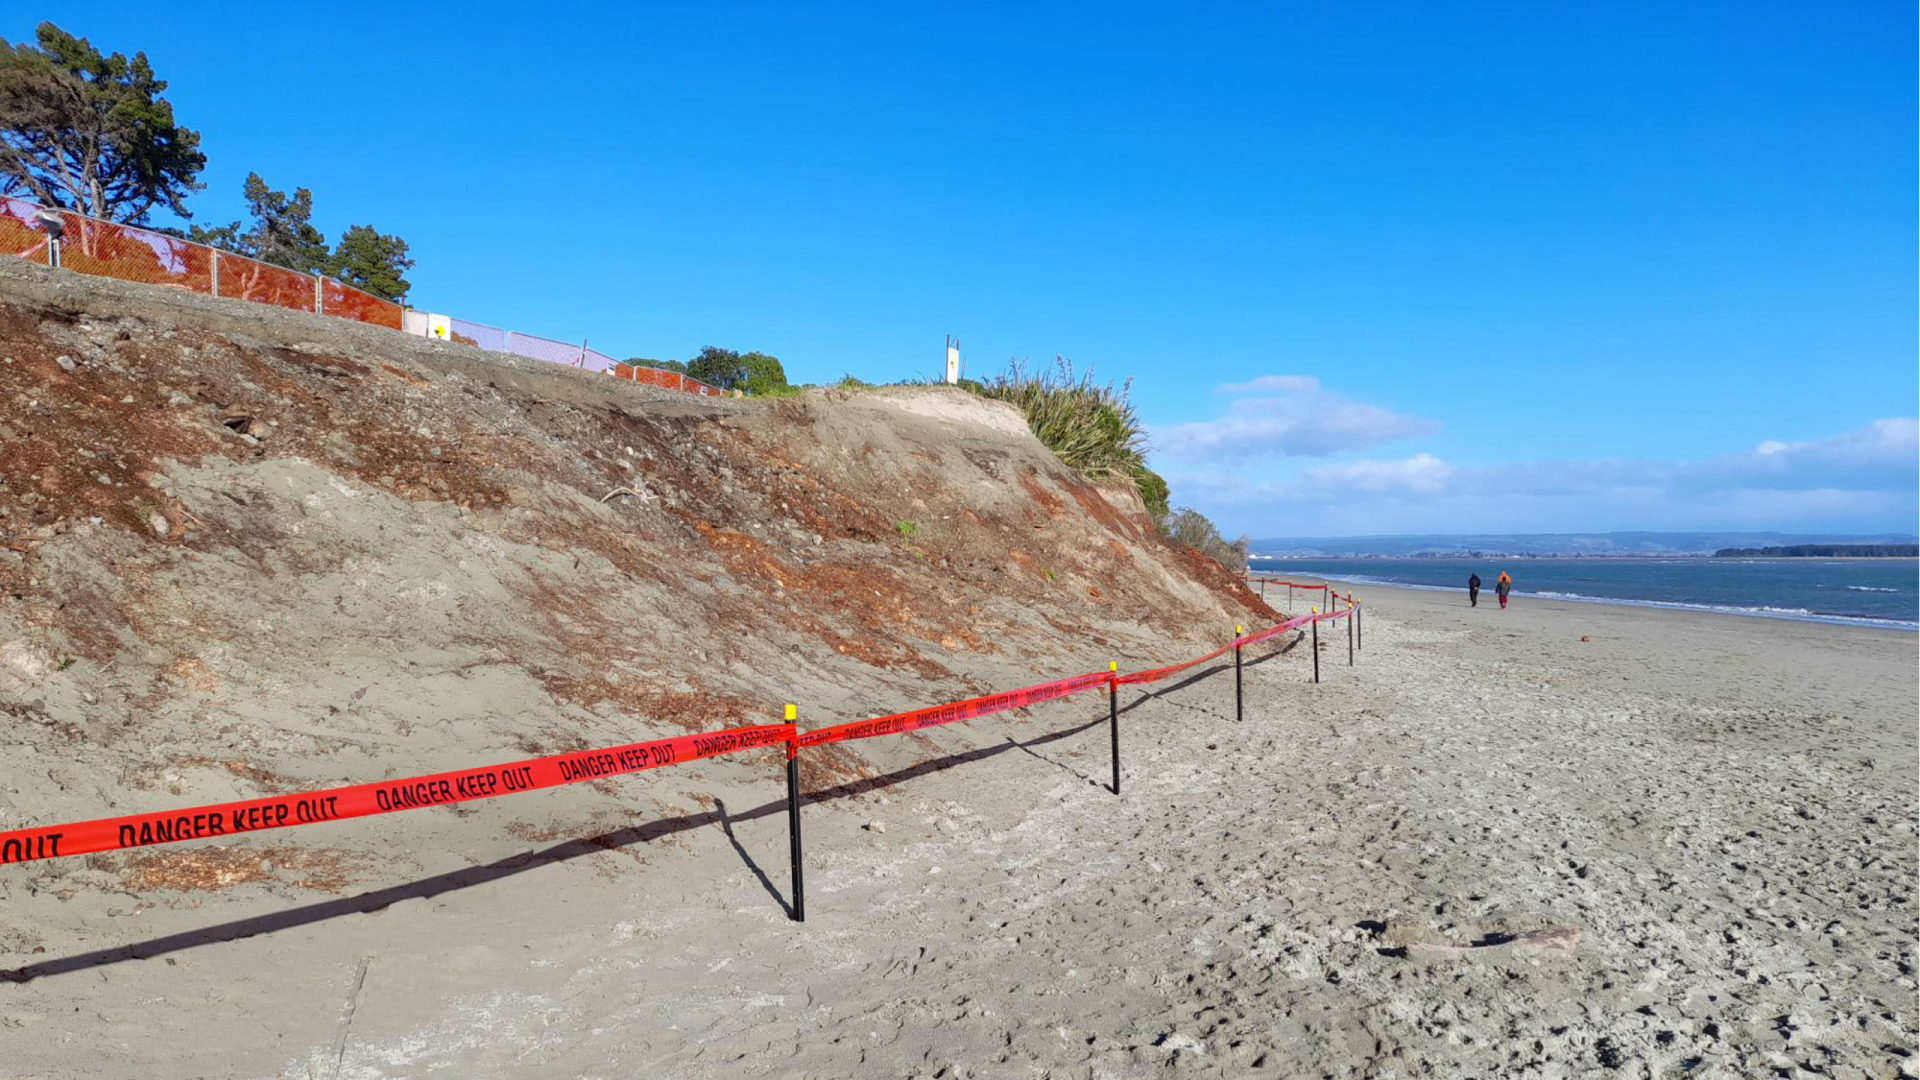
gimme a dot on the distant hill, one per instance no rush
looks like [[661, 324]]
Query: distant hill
[[1562, 544]]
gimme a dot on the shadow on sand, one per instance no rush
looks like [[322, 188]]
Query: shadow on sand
[[469, 877]]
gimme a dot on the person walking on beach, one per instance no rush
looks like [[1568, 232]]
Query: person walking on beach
[[1502, 587], [1473, 590]]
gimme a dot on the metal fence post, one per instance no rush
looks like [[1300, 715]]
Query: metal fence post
[[216, 272], [1349, 631], [1315, 624], [793, 819], [319, 306], [1238, 709], [1113, 718]]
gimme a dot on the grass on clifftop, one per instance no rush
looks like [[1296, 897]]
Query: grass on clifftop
[[1094, 429], [1090, 426]]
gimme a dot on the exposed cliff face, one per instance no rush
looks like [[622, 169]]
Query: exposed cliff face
[[245, 550]]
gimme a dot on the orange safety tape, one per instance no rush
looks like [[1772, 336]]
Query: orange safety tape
[[954, 712], [385, 797]]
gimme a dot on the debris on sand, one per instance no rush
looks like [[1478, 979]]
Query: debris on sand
[[1547, 939]]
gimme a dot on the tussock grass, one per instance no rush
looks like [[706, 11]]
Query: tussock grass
[[1090, 426], [1094, 429]]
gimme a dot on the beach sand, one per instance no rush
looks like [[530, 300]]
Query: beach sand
[[1722, 807]]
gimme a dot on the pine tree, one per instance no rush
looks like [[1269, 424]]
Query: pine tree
[[371, 262], [81, 130]]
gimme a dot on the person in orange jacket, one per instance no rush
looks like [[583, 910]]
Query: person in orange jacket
[[1502, 587]]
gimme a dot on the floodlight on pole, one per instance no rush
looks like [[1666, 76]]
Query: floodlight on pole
[[55, 227]]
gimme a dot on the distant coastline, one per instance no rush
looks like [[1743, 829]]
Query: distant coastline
[[1608, 545], [1730, 553], [1824, 551], [1871, 592]]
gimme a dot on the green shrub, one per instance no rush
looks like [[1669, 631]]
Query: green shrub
[[1191, 528], [1091, 427], [755, 373], [658, 365], [1095, 430], [1153, 492]]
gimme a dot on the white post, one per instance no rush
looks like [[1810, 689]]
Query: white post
[[318, 307], [216, 272], [953, 360]]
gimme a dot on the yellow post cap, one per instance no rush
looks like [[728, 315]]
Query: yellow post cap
[[792, 712], [1238, 629], [1113, 665]]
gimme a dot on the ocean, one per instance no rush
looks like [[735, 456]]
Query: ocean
[[1867, 592]]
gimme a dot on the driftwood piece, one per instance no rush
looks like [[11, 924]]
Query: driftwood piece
[[642, 494], [1547, 939]]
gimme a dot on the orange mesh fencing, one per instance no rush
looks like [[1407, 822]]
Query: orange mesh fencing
[[346, 302], [665, 380], [259, 283], [20, 235], [104, 249], [108, 249]]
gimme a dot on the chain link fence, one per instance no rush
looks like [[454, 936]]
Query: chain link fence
[[107, 249]]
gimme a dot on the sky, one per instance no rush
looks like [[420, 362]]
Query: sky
[[1370, 268]]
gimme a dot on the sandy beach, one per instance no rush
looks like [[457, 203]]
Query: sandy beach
[[1722, 807]]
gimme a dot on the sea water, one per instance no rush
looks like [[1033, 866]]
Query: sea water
[[1870, 592]]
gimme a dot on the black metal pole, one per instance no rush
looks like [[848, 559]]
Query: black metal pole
[[1238, 714], [1113, 720], [1350, 610], [793, 824], [1359, 631], [1316, 646]]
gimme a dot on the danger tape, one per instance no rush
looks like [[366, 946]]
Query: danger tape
[[956, 711], [386, 797], [1157, 674], [442, 789]]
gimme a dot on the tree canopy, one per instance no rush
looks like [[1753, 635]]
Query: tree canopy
[[658, 365], [282, 233], [753, 372], [372, 262], [85, 131]]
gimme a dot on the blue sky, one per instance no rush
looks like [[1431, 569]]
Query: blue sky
[[1500, 267]]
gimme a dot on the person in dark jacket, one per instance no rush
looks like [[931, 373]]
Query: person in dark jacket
[[1502, 587], [1473, 590]]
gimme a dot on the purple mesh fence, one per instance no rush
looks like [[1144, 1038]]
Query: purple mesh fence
[[553, 352], [478, 335]]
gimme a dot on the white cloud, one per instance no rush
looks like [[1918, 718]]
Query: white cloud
[[1421, 474], [1273, 384], [1291, 417], [1861, 480], [1879, 456]]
